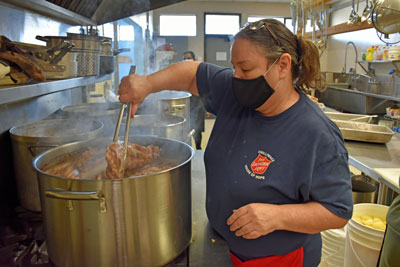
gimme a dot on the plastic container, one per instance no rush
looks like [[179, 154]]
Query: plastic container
[[386, 53], [363, 243], [379, 53], [333, 243], [369, 53], [394, 53]]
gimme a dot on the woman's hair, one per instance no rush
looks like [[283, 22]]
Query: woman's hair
[[191, 53], [275, 39]]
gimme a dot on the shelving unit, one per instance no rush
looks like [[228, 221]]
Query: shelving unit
[[21, 92], [394, 63]]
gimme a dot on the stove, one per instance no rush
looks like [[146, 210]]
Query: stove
[[22, 242]]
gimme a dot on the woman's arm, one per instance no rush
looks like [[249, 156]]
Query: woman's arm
[[257, 219], [180, 77]]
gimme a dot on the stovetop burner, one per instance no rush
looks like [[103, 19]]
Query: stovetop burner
[[22, 243]]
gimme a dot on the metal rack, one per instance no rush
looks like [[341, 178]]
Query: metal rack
[[21, 92]]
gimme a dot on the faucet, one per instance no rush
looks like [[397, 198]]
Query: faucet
[[345, 57]]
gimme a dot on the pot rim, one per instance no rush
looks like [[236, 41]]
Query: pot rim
[[164, 95], [53, 139], [36, 160]]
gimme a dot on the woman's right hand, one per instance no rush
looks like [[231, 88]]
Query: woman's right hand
[[134, 88]]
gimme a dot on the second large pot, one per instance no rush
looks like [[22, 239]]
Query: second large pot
[[31, 139], [137, 221]]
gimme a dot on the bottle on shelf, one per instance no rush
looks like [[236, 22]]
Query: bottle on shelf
[[379, 53], [374, 52], [386, 53], [369, 53]]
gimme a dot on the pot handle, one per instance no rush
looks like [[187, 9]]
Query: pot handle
[[74, 195], [175, 109], [121, 50], [42, 38], [189, 136], [64, 48]]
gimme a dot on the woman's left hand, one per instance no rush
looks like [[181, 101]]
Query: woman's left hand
[[254, 220]]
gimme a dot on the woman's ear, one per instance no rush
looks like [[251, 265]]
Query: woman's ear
[[285, 64]]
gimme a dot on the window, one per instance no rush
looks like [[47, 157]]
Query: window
[[178, 25], [223, 24], [126, 33]]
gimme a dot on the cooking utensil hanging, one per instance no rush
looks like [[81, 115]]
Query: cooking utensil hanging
[[354, 17], [366, 15]]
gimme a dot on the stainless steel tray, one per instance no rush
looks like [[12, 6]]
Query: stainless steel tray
[[349, 116], [360, 131]]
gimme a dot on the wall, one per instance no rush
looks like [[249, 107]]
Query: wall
[[196, 43], [334, 57]]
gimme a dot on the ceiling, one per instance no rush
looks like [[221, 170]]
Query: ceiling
[[97, 12]]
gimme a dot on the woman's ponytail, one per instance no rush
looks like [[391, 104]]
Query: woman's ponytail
[[309, 75]]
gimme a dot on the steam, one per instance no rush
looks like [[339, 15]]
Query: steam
[[57, 128], [164, 115]]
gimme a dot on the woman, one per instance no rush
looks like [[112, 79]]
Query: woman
[[276, 166]]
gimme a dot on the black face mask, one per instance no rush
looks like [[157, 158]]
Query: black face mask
[[252, 93]]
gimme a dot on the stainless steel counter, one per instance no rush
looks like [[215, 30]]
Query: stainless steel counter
[[207, 248], [367, 156]]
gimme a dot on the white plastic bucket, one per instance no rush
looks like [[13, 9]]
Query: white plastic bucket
[[333, 242], [363, 243]]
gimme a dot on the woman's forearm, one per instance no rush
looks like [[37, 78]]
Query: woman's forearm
[[180, 76], [258, 219], [308, 218]]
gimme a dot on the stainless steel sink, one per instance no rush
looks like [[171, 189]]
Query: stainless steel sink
[[353, 93]]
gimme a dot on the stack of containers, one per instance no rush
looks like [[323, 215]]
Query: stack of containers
[[333, 243]]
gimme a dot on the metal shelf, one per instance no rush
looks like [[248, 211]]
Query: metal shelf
[[394, 63], [379, 61], [21, 92], [391, 118]]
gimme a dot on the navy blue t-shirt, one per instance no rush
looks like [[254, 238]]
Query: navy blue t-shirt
[[297, 156]]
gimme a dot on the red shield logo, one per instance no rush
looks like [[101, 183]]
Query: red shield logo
[[260, 164]]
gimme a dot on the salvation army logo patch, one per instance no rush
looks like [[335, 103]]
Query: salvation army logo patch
[[259, 165]]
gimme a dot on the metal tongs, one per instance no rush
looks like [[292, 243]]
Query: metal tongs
[[127, 125]]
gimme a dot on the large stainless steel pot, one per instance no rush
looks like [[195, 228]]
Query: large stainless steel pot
[[168, 102], [107, 56], [31, 139], [167, 126], [88, 48], [107, 113], [137, 221]]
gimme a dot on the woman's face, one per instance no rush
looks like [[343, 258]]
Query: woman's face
[[247, 60]]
